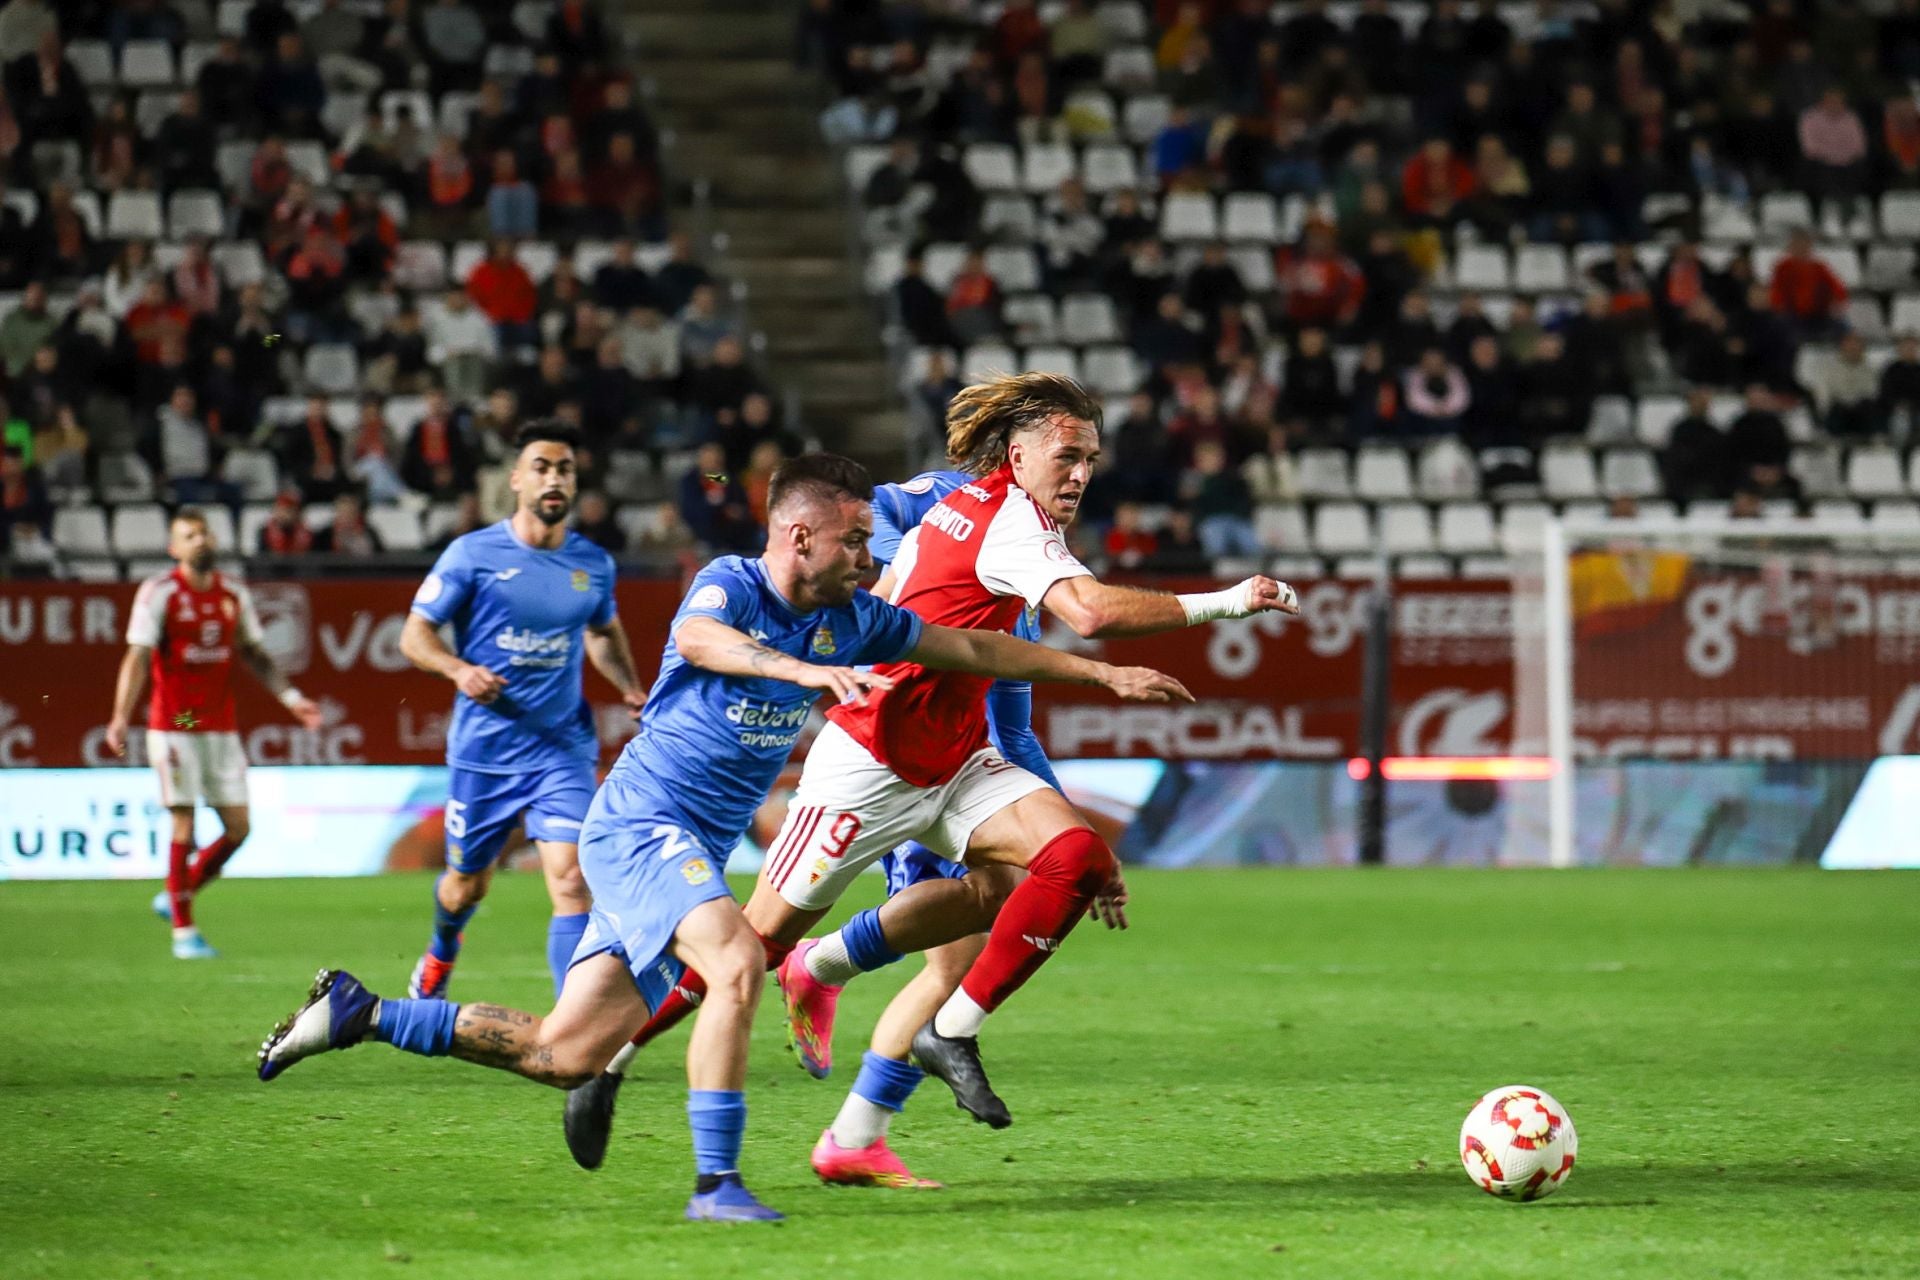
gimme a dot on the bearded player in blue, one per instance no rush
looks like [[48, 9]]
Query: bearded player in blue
[[526, 598], [753, 644]]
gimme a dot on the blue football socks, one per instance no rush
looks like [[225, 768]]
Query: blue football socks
[[886, 1082], [447, 926], [866, 945], [424, 1027], [718, 1118], [563, 936]]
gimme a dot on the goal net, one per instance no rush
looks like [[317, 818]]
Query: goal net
[[1716, 691]]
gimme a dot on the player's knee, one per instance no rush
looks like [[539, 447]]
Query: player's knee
[[458, 890], [568, 889], [737, 973], [990, 890], [1081, 857]]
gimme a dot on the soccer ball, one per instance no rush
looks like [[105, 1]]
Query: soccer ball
[[1518, 1143]]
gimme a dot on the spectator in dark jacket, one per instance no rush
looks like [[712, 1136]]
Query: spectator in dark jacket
[[918, 306], [1758, 447], [714, 505], [1695, 462], [1900, 387]]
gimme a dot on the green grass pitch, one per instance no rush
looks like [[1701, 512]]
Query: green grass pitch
[[1264, 1078]]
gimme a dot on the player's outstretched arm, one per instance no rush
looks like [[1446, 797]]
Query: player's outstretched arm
[[1101, 610], [612, 657], [993, 653], [268, 673], [127, 688], [420, 644], [714, 646]]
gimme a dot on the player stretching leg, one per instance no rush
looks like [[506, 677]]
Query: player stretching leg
[[526, 597], [187, 626], [914, 761], [746, 656]]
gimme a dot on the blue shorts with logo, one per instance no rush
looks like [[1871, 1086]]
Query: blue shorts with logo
[[913, 862], [483, 807], [647, 871]]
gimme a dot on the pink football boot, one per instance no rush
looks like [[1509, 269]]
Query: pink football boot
[[810, 1007], [874, 1166]]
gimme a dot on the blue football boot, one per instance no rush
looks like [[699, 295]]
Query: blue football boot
[[730, 1201], [338, 1014]]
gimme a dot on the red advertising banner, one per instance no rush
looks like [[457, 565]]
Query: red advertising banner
[[1268, 687]]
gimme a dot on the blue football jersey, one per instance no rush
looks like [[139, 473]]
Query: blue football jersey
[[710, 747], [521, 612]]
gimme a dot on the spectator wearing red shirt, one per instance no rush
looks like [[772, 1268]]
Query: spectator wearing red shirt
[[285, 533], [1019, 31], [624, 191], [155, 318], [1806, 293], [1434, 182], [270, 173], [502, 289], [1128, 545], [1323, 287], [450, 189], [973, 301], [563, 196]]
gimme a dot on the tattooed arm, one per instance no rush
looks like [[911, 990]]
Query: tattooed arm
[[717, 647]]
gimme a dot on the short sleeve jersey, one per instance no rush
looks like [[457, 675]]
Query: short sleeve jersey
[[523, 613], [193, 635], [710, 746], [978, 559]]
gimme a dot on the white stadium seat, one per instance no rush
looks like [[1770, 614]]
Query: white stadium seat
[[1466, 528], [1874, 471], [140, 529], [1381, 473], [1342, 528], [1322, 473], [993, 166], [1189, 215]]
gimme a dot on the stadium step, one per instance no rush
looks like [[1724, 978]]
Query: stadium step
[[661, 33]]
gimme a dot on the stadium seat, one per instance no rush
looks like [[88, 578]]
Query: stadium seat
[[1611, 421], [1522, 525], [125, 477], [510, 61], [456, 111], [397, 103], [1014, 268], [1481, 568], [1110, 370], [1422, 567], [343, 112], [1123, 20], [1032, 318], [134, 215], [1540, 268], [1913, 472], [240, 263], [1866, 317], [1900, 215], [1281, 526], [861, 163], [1889, 267], [255, 472], [1188, 215], [92, 61], [1087, 318], [1254, 262], [993, 166], [1839, 512], [81, 531], [1481, 266], [1109, 167], [1899, 522], [1406, 528], [1144, 116], [1051, 359], [1044, 166], [539, 257], [1727, 221], [220, 527], [1782, 212], [1818, 469], [1381, 473], [1250, 216], [196, 55], [140, 529], [1342, 529], [985, 359], [1128, 67], [195, 213], [420, 264], [1874, 471], [146, 64], [942, 263], [1009, 217], [1447, 471], [398, 528], [309, 160], [1654, 419], [253, 518], [231, 17], [152, 109], [1629, 472], [1466, 528], [233, 161], [1357, 568], [1322, 473], [331, 369], [1567, 473]]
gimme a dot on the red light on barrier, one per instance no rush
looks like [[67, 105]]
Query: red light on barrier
[[1457, 768]]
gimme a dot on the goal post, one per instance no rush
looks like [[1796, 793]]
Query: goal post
[[1791, 645]]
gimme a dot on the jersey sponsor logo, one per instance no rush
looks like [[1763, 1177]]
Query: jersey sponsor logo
[[950, 522], [531, 649], [582, 580], [976, 492], [711, 596], [506, 575], [762, 724], [823, 644]]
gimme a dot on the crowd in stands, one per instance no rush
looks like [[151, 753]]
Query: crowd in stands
[[315, 262], [1271, 229]]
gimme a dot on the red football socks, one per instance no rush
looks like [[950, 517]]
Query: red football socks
[[208, 862], [180, 884], [685, 996], [1061, 883]]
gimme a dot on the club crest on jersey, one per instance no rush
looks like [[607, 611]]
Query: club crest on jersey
[[697, 871], [823, 645], [711, 596], [582, 580]]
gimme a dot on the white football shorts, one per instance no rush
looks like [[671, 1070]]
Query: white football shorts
[[850, 810], [198, 766]]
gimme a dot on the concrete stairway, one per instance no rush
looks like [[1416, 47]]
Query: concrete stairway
[[746, 122]]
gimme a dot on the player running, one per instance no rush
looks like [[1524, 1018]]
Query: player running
[[753, 644], [914, 762], [186, 628], [526, 598]]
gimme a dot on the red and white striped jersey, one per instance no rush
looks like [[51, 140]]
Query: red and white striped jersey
[[193, 635], [979, 557]]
